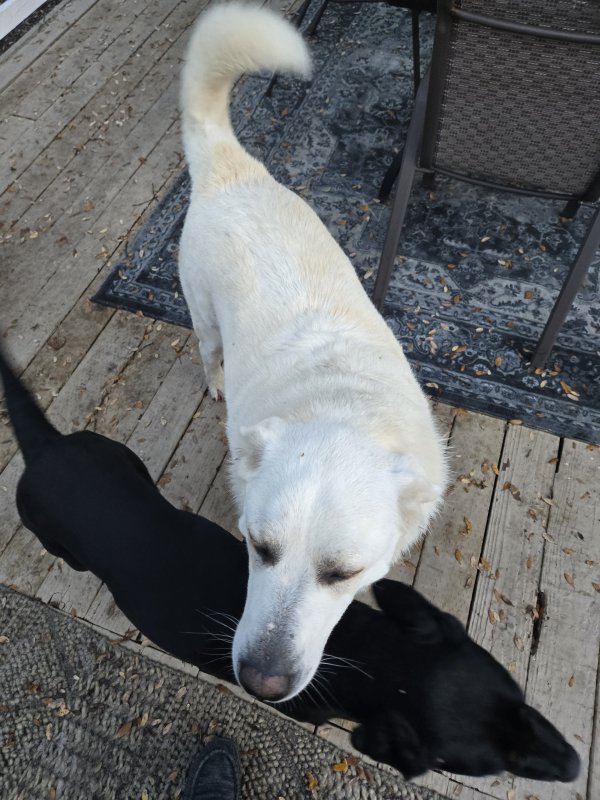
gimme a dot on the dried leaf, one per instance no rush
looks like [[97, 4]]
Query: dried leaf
[[567, 551], [143, 720], [569, 579], [124, 730], [596, 586], [458, 555], [571, 680], [4, 639], [493, 616], [529, 563], [519, 643], [342, 766], [565, 387], [529, 294], [311, 782], [495, 469]]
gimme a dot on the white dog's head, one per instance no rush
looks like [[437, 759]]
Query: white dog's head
[[325, 511]]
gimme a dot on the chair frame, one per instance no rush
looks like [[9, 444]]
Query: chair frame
[[418, 154]]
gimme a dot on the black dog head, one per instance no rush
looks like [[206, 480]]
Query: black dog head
[[445, 703]]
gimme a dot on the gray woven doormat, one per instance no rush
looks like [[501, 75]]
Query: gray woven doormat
[[84, 719]]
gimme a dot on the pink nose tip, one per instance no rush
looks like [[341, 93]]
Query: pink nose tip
[[266, 687]]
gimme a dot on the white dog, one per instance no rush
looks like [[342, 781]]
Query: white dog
[[337, 464]]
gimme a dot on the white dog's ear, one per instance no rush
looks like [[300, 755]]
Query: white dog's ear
[[415, 489], [254, 440]]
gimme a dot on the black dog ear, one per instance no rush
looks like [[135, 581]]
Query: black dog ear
[[388, 737], [538, 750], [416, 615]]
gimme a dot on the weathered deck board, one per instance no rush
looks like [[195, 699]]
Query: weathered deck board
[[39, 39], [563, 673], [218, 505], [81, 71], [67, 278], [448, 563], [507, 583], [194, 464], [67, 175]]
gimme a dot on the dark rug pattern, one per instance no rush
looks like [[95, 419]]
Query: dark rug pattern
[[477, 271]]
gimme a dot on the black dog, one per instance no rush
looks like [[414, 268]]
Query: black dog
[[425, 695]]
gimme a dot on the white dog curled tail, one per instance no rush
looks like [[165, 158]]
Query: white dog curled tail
[[227, 41]]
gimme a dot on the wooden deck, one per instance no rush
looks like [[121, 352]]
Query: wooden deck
[[89, 139]]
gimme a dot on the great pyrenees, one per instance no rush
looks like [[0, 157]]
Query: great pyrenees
[[337, 466]]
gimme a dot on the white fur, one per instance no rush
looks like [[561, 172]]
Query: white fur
[[336, 455]]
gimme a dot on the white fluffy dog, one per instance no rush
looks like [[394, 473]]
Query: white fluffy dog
[[337, 466]]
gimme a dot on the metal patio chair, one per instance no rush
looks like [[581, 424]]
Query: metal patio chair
[[512, 101]]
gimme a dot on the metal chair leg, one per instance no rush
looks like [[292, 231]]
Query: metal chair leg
[[403, 188], [387, 184], [567, 294], [570, 209], [416, 48], [312, 26]]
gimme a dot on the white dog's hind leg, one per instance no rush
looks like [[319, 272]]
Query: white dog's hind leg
[[211, 351], [210, 346]]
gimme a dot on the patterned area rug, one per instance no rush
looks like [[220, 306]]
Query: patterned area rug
[[81, 718], [477, 272]]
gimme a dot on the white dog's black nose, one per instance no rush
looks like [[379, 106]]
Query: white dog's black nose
[[263, 686]]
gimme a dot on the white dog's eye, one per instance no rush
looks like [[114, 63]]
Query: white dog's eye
[[267, 553], [333, 576]]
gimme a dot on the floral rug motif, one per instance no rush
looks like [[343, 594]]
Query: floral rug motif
[[477, 271]]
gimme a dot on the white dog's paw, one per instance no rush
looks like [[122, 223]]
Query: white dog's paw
[[216, 384]]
